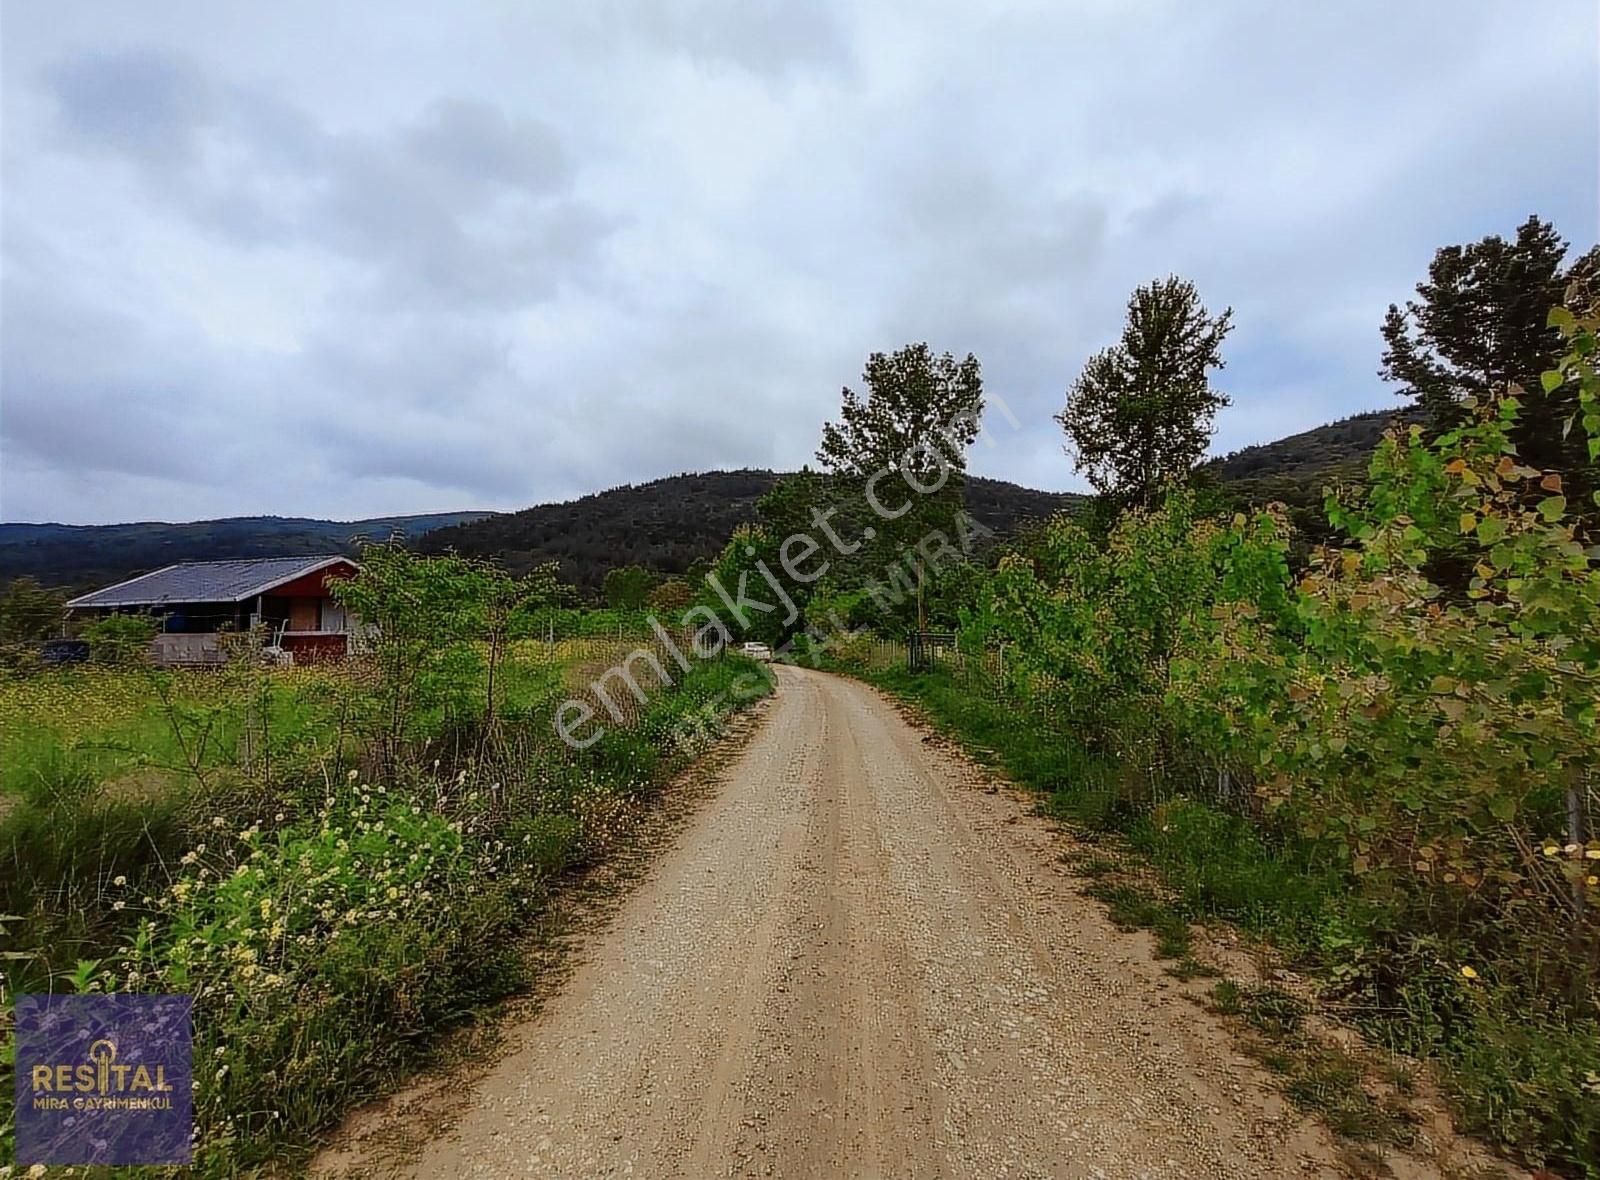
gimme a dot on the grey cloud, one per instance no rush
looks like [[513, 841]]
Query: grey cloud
[[1012, 234], [454, 460], [90, 393], [466, 139], [1165, 213], [462, 204], [397, 263], [149, 105], [772, 38]]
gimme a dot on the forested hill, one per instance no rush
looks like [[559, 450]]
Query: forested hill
[[1294, 470], [83, 556], [667, 524], [1311, 452]]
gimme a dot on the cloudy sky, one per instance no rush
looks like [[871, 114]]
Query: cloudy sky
[[358, 259]]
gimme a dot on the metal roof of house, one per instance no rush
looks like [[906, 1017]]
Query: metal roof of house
[[208, 581]]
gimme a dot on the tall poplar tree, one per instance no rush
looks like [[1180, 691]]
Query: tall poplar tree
[[1139, 415], [920, 413]]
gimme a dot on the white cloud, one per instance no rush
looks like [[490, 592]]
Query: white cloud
[[362, 260]]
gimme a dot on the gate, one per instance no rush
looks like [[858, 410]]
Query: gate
[[923, 649]]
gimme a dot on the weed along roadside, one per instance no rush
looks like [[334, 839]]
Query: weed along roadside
[[338, 863], [1264, 901], [1382, 769]]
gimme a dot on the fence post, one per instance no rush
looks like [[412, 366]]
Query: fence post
[[1576, 835]]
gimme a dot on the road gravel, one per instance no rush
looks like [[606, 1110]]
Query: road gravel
[[863, 957]]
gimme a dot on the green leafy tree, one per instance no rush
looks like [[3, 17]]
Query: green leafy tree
[[628, 587], [120, 639], [30, 612], [920, 414], [738, 571], [1139, 416], [787, 509], [1479, 325], [670, 597], [416, 615], [502, 605]]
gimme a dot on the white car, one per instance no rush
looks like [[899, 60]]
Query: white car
[[757, 651]]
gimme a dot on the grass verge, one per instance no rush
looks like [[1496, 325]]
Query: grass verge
[[1524, 1078], [331, 942]]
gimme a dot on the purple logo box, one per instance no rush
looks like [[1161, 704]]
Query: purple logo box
[[104, 1079]]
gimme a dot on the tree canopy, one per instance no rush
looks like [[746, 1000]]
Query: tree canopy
[[628, 586], [920, 414], [914, 399], [1139, 415], [1480, 324], [30, 612]]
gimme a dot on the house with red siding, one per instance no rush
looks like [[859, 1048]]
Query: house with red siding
[[194, 602]]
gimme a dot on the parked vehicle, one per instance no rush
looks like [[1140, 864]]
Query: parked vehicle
[[55, 652], [757, 651]]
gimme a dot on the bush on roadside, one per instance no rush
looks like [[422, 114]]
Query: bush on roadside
[[337, 864], [1381, 766]]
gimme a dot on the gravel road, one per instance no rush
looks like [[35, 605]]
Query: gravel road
[[861, 958]]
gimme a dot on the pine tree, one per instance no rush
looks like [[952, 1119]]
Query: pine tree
[[1480, 323]]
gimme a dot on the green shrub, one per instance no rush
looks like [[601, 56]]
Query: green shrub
[[119, 639], [1530, 1080], [547, 844], [1223, 866]]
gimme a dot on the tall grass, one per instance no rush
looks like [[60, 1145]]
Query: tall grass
[[1524, 1074], [227, 835]]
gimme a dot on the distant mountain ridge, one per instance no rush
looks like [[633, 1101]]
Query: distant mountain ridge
[[1338, 444], [665, 524], [1294, 471], [85, 556]]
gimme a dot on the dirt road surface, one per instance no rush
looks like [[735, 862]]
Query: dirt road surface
[[861, 959]]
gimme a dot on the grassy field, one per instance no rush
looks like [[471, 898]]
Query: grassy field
[[233, 834]]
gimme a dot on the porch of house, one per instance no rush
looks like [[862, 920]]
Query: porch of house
[[310, 628]]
